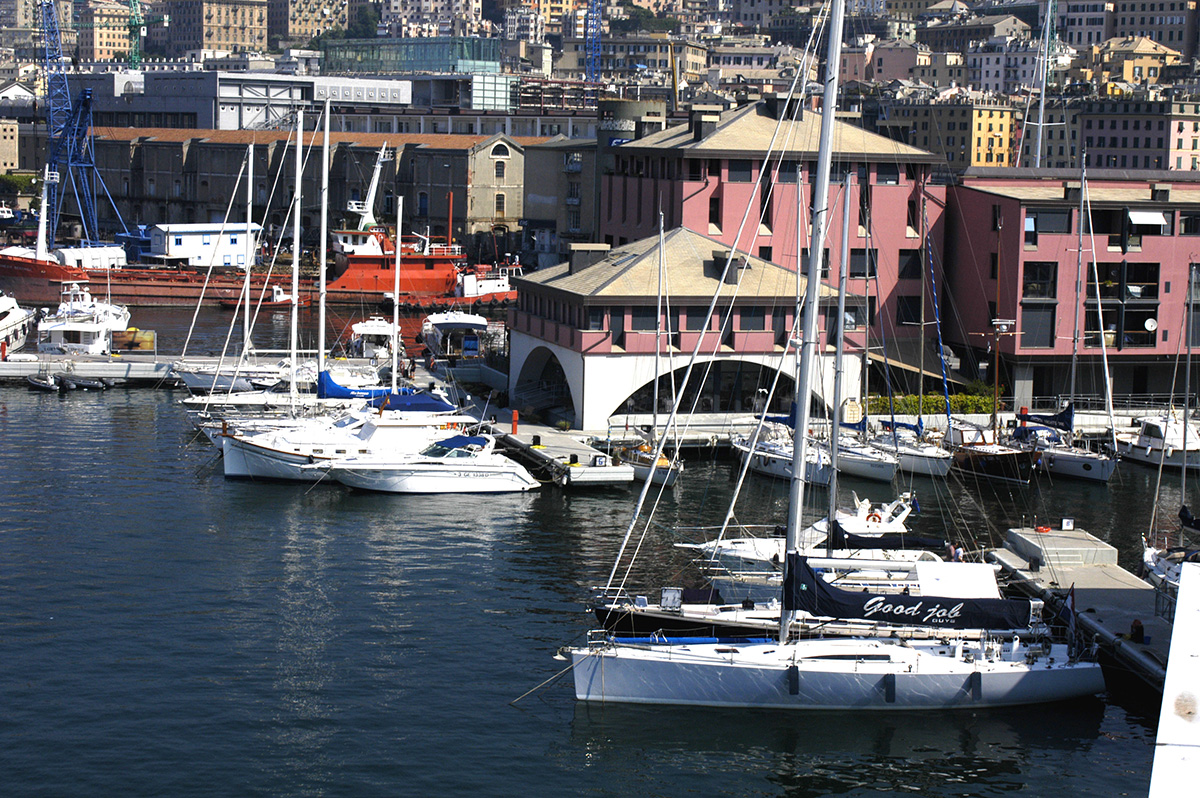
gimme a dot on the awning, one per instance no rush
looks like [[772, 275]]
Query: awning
[[1155, 218]]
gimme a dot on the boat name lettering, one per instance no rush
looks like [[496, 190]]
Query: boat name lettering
[[935, 614]]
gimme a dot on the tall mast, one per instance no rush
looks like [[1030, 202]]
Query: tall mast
[[839, 349], [322, 253], [1187, 388], [1047, 37], [1078, 282], [295, 330], [249, 245], [396, 295], [658, 317], [820, 212]]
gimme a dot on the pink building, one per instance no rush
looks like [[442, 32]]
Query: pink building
[[734, 177], [1013, 239]]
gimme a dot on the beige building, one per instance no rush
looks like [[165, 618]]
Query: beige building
[[631, 56], [966, 131], [294, 23], [560, 206], [1134, 60], [232, 25], [8, 146], [104, 31]]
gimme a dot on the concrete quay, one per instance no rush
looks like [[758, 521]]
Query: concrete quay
[[1045, 562]]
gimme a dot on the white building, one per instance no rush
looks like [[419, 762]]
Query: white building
[[202, 244]]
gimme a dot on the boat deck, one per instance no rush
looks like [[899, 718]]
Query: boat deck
[[1108, 599]]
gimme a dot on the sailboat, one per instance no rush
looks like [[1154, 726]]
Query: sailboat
[[647, 461], [1061, 457], [874, 672]]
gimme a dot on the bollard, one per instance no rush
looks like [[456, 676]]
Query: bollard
[[537, 440], [514, 432]]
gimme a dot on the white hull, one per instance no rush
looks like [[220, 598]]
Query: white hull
[[246, 460], [837, 674], [508, 477], [1078, 464], [778, 464], [927, 460], [659, 476], [1154, 456], [881, 468]]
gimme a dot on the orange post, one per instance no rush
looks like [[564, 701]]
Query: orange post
[[514, 432]]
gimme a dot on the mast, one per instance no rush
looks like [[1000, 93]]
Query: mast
[[657, 333], [1187, 387], [1108, 405], [839, 349], [820, 212], [1047, 36], [996, 327], [249, 245], [1078, 285], [396, 296], [322, 253], [292, 391]]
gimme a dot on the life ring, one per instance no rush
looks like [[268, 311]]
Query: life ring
[[874, 518]]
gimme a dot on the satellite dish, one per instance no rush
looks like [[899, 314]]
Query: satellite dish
[[1151, 325]]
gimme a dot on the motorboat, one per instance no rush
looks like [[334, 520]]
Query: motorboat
[[15, 324], [373, 338], [1159, 441], [80, 325], [283, 454], [456, 464], [647, 465], [453, 334]]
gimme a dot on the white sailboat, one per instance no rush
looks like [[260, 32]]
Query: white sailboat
[[1060, 456], [855, 672]]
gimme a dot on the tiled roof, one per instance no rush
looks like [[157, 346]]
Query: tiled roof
[[751, 130], [689, 273], [371, 140]]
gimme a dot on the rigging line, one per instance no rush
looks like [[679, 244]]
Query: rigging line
[[549, 681], [730, 262], [1153, 532]]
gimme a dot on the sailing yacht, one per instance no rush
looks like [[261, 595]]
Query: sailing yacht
[[906, 442], [867, 672]]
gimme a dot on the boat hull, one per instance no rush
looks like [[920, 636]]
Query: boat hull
[[863, 675], [779, 466], [998, 463], [858, 465], [1078, 464], [914, 460], [437, 478]]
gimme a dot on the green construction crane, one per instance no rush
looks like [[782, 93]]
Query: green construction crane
[[136, 24]]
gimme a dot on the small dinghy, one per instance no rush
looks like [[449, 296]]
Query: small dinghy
[[75, 382], [42, 382]]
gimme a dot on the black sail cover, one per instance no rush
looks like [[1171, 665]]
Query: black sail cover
[[805, 591]]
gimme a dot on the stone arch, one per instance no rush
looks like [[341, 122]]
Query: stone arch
[[545, 382]]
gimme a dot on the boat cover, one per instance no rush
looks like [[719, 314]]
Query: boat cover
[[1030, 434], [328, 389], [805, 591], [1064, 420], [415, 402], [918, 428], [460, 441]]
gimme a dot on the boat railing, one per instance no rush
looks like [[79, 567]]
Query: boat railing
[[1164, 602]]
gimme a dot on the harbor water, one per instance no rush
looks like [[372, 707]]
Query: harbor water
[[164, 631]]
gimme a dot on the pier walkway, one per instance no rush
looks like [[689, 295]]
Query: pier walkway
[[1108, 599]]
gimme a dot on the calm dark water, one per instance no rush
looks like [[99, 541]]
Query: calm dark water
[[166, 632]]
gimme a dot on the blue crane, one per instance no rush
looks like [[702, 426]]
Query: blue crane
[[592, 43], [69, 146]]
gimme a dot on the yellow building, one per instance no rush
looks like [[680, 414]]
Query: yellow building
[[234, 25], [965, 131]]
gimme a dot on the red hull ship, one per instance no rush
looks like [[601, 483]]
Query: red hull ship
[[430, 276]]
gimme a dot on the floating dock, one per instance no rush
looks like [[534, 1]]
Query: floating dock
[[1109, 601], [558, 455], [133, 369]]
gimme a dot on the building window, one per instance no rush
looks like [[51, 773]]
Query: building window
[[753, 318], [696, 318], [500, 170], [499, 205], [1041, 280], [740, 171], [1037, 326], [910, 264], [595, 318], [863, 262], [643, 318], [908, 309]]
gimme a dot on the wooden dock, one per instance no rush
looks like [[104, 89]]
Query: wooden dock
[[565, 458], [1108, 599]]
